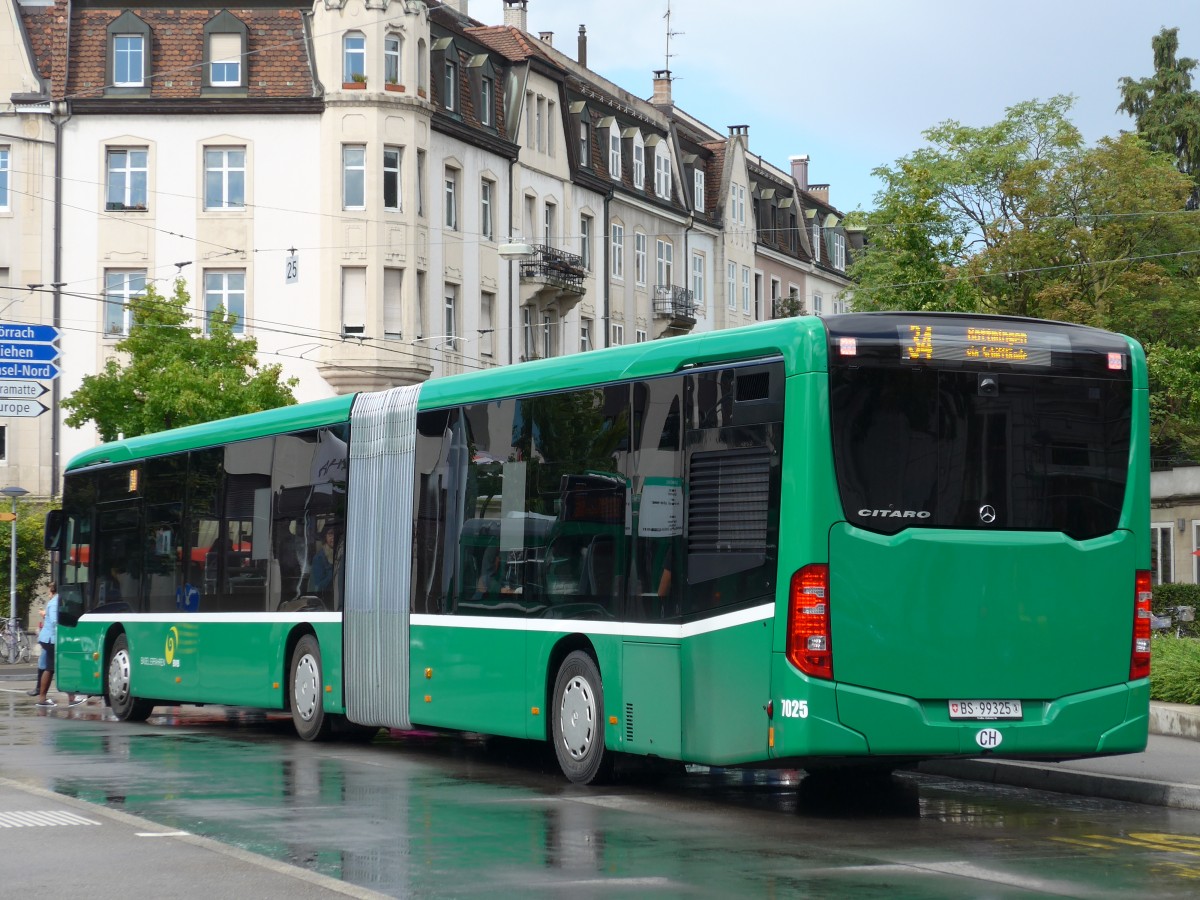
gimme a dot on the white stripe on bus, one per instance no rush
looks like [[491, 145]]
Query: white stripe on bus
[[481, 623]]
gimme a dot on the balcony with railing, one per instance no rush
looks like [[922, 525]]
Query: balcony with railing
[[554, 268], [676, 304]]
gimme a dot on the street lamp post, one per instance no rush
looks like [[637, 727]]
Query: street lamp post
[[14, 492]]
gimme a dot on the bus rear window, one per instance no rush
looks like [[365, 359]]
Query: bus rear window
[[1032, 436]]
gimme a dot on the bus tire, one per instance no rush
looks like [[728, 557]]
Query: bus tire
[[577, 720], [125, 706], [305, 694]]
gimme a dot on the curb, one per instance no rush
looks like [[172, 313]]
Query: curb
[[1175, 720], [1064, 781]]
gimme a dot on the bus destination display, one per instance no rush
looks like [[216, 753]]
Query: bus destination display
[[975, 343]]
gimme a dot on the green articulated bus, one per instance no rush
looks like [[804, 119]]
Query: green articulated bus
[[870, 538]]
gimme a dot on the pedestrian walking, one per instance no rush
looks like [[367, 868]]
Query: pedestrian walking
[[47, 640], [37, 682]]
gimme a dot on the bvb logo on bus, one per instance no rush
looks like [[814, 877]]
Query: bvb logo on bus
[[172, 643]]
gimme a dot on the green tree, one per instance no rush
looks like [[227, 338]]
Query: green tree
[[171, 374], [33, 560], [1164, 107], [1020, 218]]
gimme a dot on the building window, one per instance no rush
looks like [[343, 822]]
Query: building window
[[617, 253], [487, 99], [391, 178], [225, 290], [738, 196], [585, 145], [487, 324], [354, 58], [224, 178], [527, 336], [119, 288], [422, 67], [354, 176], [585, 241], [614, 152], [540, 124], [393, 304], [745, 289], [585, 335], [698, 199], [127, 176], [391, 59], [639, 162], [698, 278], [839, 250], [639, 257], [451, 195], [450, 317], [549, 215], [420, 182], [758, 296], [664, 259], [1162, 553], [776, 291], [4, 170], [354, 300], [548, 333], [419, 310], [129, 57], [731, 285], [225, 60], [662, 173], [816, 242], [618, 335], [551, 118], [818, 305], [487, 217], [450, 86], [639, 335]]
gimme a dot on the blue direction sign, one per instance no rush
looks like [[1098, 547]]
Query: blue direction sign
[[21, 390], [28, 334], [31, 352], [21, 409], [37, 371]]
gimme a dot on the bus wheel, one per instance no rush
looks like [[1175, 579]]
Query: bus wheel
[[308, 709], [121, 701], [577, 720]]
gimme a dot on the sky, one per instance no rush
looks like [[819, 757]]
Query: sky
[[854, 85]]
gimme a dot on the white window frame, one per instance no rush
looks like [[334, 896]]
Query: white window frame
[[745, 289], [1162, 558], [698, 189], [226, 60], [392, 45], [614, 152], [818, 303], [839, 251], [393, 304], [549, 333], [664, 262], [662, 172], [224, 286], [639, 335], [487, 210], [130, 49], [549, 223], [392, 172], [487, 323], [5, 172], [354, 57], [450, 198], [585, 240], [354, 176], [450, 315], [450, 85], [585, 335], [640, 246], [617, 250], [618, 334], [135, 177], [229, 164], [487, 99], [354, 300], [639, 162], [816, 242], [731, 285], [121, 286], [698, 263]]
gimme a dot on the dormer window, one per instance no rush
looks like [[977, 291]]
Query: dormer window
[[614, 151], [354, 58], [639, 162], [128, 64], [446, 72], [662, 172], [225, 37], [698, 189], [487, 99], [450, 85], [585, 141]]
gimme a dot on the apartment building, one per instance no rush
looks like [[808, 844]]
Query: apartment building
[[383, 191]]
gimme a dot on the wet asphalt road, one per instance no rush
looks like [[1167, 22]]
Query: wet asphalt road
[[432, 815]]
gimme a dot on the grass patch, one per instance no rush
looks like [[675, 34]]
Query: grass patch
[[1175, 669]]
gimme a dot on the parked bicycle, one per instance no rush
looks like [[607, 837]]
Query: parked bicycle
[[15, 644]]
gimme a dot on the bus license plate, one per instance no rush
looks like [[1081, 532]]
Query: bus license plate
[[985, 709]]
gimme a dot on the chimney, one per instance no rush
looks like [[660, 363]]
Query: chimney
[[662, 88], [516, 14], [583, 46], [459, 6], [800, 170], [740, 131], [546, 37]]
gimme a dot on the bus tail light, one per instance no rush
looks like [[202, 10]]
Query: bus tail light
[[1139, 658], [808, 643]]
